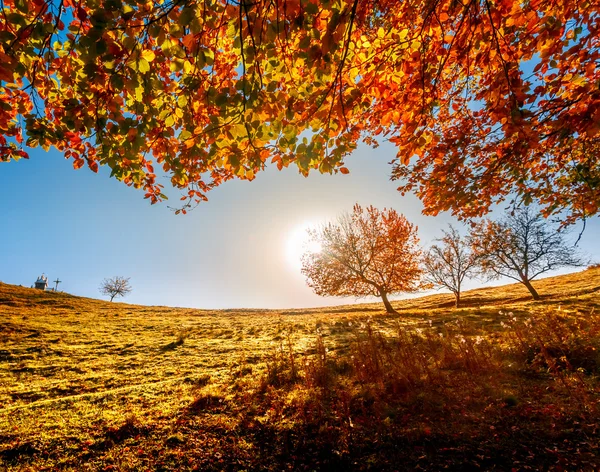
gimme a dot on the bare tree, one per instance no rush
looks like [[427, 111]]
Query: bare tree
[[115, 287], [367, 252], [448, 264], [521, 246]]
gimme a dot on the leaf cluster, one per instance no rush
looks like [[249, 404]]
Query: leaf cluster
[[483, 100]]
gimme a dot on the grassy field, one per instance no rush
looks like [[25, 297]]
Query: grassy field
[[504, 383]]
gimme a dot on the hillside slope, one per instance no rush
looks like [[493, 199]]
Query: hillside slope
[[578, 283], [504, 383]]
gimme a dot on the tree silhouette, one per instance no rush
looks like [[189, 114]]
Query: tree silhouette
[[115, 287], [521, 246], [448, 264]]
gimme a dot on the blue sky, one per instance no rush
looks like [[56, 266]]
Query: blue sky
[[230, 252]]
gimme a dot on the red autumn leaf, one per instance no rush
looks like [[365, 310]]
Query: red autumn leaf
[[453, 76]]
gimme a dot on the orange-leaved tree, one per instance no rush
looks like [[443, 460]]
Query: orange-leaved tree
[[366, 252], [483, 99]]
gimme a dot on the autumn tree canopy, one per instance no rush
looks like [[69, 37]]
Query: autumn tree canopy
[[521, 246], [483, 99], [448, 262], [366, 252]]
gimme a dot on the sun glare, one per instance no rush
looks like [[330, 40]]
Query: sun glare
[[298, 243]]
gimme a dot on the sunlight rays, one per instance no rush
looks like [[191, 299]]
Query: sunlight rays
[[297, 243]]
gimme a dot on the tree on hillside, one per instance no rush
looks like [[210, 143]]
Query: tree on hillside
[[115, 287], [521, 246], [366, 252], [213, 90], [448, 264]]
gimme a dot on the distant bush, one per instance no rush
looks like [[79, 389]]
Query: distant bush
[[181, 335]]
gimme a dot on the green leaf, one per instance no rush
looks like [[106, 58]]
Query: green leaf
[[311, 8], [117, 82], [290, 132], [184, 135], [22, 6], [305, 43], [100, 47], [221, 99], [32, 142], [186, 16]]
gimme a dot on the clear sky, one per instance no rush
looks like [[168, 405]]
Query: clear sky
[[236, 250]]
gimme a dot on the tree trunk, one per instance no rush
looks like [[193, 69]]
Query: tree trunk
[[532, 290], [457, 297], [111, 297], [388, 306]]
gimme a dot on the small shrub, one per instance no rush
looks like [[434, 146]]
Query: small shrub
[[128, 429], [181, 336], [175, 439], [281, 365], [198, 381], [203, 402]]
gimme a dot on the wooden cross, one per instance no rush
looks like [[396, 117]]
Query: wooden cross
[[57, 282]]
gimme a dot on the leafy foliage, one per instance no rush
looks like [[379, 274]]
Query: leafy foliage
[[115, 287], [367, 252], [449, 264], [481, 98], [522, 246]]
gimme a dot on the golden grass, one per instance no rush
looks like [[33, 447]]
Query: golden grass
[[92, 385]]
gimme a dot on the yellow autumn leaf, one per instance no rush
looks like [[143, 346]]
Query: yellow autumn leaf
[[139, 94], [166, 46], [143, 65], [578, 80], [188, 67], [238, 130], [148, 55]]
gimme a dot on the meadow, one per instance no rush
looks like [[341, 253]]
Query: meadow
[[504, 383]]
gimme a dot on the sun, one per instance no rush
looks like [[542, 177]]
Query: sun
[[298, 242]]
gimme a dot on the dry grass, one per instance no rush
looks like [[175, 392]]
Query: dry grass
[[503, 383]]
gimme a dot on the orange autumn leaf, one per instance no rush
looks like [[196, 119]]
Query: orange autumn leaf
[[484, 100]]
